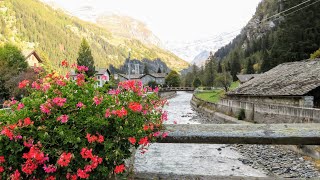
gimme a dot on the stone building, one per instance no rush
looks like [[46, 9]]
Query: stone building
[[291, 84], [102, 75], [32, 58], [159, 78]]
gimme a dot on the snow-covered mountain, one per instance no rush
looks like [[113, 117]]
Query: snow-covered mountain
[[188, 50], [201, 58]]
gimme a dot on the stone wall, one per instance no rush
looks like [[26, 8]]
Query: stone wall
[[167, 94], [269, 113]]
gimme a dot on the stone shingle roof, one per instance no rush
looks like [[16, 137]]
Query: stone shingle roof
[[139, 76], [288, 79], [246, 77]]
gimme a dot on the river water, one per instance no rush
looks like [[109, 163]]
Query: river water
[[197, 159]]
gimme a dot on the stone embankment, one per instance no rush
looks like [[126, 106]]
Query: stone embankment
[[276, 161], [167, 94]]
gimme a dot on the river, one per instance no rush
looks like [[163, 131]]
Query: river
[[196, 159]]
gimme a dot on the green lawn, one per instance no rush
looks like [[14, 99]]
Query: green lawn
[[212, 96], [215, 95]]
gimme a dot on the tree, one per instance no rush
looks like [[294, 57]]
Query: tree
[[159, 70], [145, 70], [173, 79], [219, 67], [196, 82], [85, 58], [316, 54], [250, 69], [12, 62], [224, 80], [235, 65]]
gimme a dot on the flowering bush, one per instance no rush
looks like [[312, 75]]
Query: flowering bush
[[75, 130]]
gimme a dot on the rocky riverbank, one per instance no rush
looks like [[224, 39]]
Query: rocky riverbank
[[277, 161]]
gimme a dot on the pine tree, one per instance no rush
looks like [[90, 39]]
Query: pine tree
[[219, 67], [85, 58], [235, 66], [159, 70], [250, 69]]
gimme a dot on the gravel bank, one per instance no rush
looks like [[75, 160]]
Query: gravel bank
[[276, 161]]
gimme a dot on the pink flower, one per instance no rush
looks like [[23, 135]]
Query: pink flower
[[49, 169], [82, 68], [16, 175], [164, 116], [156, 134], [20, 106], [104, 77], [46, 108], [59, 101], [23, 84], [82, 174], [156, 89], [63, 118], [97, 100], [61, 82], [165, 134], [2, 159], [36, 86], [46, 87], [108, 114], [175, 122], [80, 105], [114, 91]]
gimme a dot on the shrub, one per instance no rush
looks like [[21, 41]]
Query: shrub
[[241, 114], [72, 129]]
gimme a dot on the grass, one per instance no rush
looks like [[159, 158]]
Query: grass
[[215, 95], [211, 96]]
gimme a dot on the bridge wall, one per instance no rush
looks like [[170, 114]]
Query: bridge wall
[[266, 113]]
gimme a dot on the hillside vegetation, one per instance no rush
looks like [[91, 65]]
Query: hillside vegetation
[[269, 40], [31, 24]]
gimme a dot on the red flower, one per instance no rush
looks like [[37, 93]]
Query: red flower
[[1, 169], [27, 121], [145, 127], [72, 177], [132, 140], [80, 79], [64, 159], [122, 112], [7, 132], [92, 138], [82, 174], [2, 159], [119, 169], [16, 175], [86, 153], [100, 138], [29, 166], [135, 106], [64, 63], [144, 141], [165, 134], [23, 84], [51, 178]]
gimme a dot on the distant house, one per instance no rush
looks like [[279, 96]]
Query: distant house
[[102, 75], [159, 78], [246, 77], [32, 58], [293, 84]]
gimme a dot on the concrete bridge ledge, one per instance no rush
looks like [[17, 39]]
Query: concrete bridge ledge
[[283, 134]]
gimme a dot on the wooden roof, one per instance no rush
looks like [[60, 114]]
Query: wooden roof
[[288, 79], [27, 54]]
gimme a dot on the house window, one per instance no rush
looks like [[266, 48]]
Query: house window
[[99, 77]]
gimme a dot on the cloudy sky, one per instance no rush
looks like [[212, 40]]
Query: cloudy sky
[[175, 20]]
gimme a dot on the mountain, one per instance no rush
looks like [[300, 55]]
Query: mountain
[[280, 31], [188, 50], [31, 24], [201, 58], [128, 27]]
